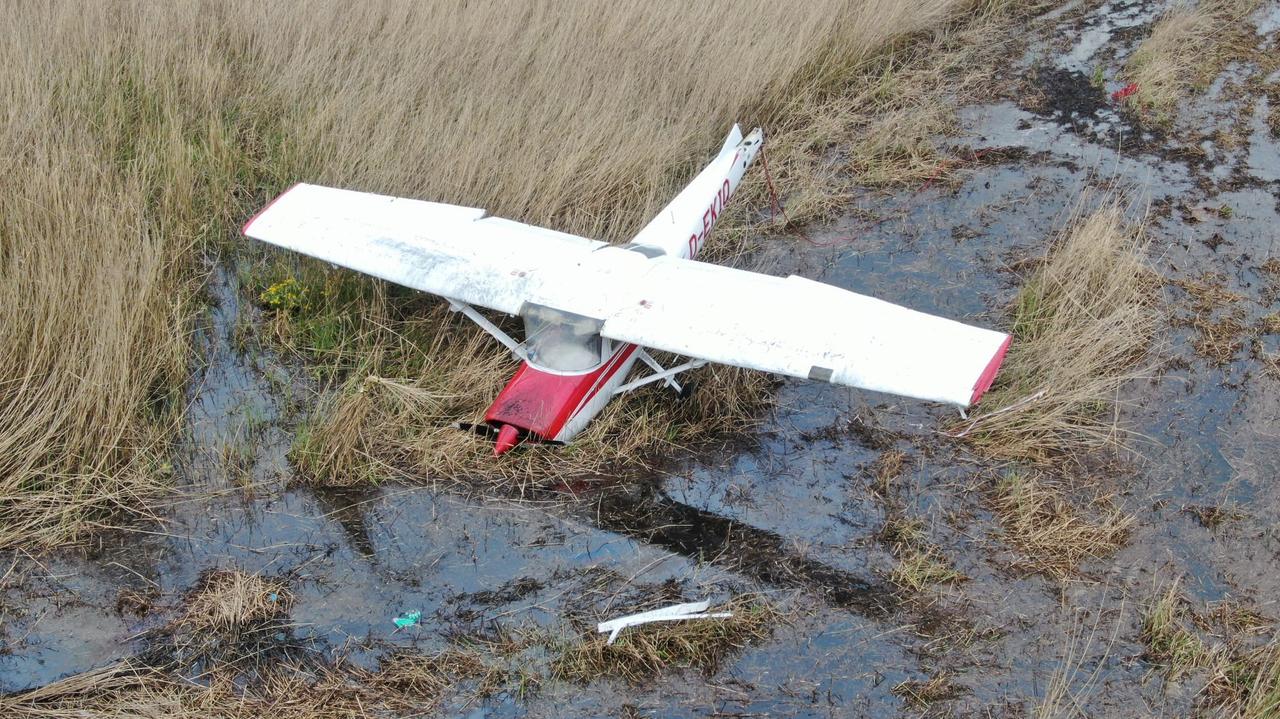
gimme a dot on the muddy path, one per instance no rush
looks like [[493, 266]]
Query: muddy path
[[795, 514]]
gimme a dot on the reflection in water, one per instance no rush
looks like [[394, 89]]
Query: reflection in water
[[346, 506], [649, 515]]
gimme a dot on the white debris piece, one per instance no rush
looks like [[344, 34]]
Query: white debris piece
[[675, 613]]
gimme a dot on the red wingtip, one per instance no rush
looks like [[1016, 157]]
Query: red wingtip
[[989, 374], [508, 438], [244, 229]]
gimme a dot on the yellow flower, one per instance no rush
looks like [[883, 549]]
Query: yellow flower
[[286, 294]]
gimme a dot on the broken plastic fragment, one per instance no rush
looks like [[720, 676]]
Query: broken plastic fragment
[[1124, 92], [678, 612], [407, 620]]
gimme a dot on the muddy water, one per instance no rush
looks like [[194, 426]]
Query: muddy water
[[794, 515]]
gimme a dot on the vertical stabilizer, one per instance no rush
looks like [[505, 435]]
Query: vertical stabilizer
[[682, 227]]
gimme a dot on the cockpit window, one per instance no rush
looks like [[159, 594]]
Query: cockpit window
[[560, 340]]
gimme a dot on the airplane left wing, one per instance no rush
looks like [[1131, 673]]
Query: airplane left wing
[[456, 252]]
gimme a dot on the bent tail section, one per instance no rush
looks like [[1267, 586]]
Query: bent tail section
[[682, 227]]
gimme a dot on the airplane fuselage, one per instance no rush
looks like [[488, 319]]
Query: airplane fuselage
[[545, 404]]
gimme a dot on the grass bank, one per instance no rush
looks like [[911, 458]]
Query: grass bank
[[1188, 46]]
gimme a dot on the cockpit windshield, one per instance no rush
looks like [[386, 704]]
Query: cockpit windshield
[[559, 340]]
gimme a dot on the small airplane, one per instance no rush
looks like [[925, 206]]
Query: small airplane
[[591, 310]]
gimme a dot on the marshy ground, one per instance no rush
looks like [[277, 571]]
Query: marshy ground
[[1108, 548]]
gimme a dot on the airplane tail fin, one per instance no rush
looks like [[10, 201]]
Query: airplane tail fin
[[682, 227], [731, 141]]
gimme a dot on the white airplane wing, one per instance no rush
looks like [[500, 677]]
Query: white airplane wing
[[447, 250], [801, 328], [791, 325]]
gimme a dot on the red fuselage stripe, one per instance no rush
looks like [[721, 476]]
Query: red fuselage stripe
[[619, 358], [542, 403]]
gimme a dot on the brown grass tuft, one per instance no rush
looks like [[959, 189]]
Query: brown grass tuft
[[1188, 46], [228, 600], [920, 694], [231, 622], [888, 467], [1270, 324], [1041, 524], [418, 679], [919, 568], [642, 652], [899, 531], [1081, 324]]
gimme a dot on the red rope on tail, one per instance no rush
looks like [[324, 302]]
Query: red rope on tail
[[776, 205]]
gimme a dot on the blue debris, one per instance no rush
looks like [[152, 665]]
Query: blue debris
[[408, 619]]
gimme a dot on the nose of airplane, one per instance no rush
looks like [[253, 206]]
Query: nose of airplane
[[507, 438]]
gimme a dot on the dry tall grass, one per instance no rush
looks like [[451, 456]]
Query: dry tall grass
[[1082, 322], [136, 135], [1069, 688], [1187, 47]]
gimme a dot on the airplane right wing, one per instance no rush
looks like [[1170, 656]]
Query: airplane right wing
[[801, 328]]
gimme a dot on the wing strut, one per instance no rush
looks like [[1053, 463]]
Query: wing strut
[[489, 327], [659, 374]]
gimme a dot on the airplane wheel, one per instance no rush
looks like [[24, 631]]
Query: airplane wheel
[[686, 390]]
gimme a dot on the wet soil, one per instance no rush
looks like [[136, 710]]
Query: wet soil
[[796, 515]]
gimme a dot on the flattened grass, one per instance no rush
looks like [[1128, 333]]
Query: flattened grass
[[406, 685], [1053, 535]]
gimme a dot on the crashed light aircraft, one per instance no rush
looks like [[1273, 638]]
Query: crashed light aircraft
[[592, 310]]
